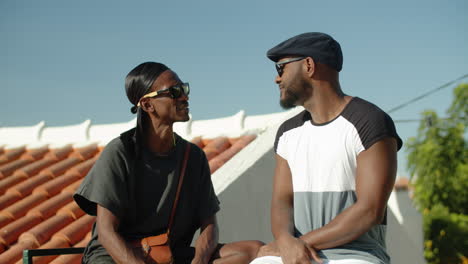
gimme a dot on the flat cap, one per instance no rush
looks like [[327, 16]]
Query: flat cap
[[319, 46]]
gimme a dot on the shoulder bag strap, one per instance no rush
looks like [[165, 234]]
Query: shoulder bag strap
[[179, 187]]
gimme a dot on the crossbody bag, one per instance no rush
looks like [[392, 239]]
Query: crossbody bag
[[156, 248]]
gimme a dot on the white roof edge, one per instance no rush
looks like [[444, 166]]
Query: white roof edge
[[86, 132], [242, 161]]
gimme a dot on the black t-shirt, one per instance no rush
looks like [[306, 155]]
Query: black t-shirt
[[140, 191]]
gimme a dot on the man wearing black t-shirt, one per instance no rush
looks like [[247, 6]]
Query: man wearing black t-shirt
[[335, 163], [131, 188]]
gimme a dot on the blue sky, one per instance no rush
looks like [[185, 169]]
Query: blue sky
[[65, 61]]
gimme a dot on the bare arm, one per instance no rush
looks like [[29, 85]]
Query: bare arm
[[282, 218], [107, 224], [376, 172], [207, 241], [291, 249]]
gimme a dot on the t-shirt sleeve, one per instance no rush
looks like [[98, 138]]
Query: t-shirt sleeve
[[282, 136], [279, 145], [105, 183], [374, 126], [209, 203]]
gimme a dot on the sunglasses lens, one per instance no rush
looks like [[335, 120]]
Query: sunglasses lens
[[186, 88], [279, 69], [178, 90]]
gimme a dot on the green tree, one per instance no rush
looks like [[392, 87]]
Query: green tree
[[437, 161]]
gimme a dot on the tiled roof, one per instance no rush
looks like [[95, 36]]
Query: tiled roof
[[36, 187], [41, 167]]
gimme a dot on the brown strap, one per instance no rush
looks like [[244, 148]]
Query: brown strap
[[181, 179]]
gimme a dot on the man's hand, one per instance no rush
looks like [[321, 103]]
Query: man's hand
[[107, 225], [295, 251], [207, 241], [269, 249], [198, 260]]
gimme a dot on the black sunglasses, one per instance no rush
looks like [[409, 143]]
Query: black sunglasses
[[280, 65], [175, 91]]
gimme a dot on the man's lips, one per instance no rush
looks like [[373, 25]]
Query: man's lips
[[184, 106]]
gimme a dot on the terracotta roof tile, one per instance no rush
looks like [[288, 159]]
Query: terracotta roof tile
[[73, 258], [14, 253], [59, 153], [76, 231], [53, 243], [8, 168], [35, 167], [35, 154], [25, 188], [402, 184], [216, 146], [72, 187], [51, 206], [82, 169], [10, 233], [20, 208], [68, 259], [233, 140], [54, 186], [198, 141], [41, 233], [72, 209], [5, 220], [85, 153], [10, 181], [67, 237], [9, 198], [226, 155], [205, 141], [11, 154], [61, 166]]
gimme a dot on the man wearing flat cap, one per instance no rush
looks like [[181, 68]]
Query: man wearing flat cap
[[335, 162]]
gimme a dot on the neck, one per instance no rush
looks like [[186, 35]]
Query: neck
[[327, 101], [159, 137]]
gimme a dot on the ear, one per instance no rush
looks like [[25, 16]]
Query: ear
[[146, 105], [309, 65]]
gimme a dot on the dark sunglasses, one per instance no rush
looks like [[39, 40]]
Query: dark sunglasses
[[175, 91], [280, 65]]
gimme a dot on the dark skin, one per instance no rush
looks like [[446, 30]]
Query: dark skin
[[163, 111], [318, 90]]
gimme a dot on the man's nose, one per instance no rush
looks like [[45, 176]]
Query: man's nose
[[277, 79]]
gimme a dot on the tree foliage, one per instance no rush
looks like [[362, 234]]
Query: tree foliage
[[437, 161]]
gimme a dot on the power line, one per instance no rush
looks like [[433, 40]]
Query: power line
[[415, 120], [406, 120], [426, 94]]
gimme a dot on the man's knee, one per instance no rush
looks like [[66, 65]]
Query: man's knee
[[251, 248], [248, 249]]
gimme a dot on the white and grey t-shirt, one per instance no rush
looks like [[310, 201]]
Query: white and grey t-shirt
[[322, 159]]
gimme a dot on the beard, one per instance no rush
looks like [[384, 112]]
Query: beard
[[289, 100], [295, 92]]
